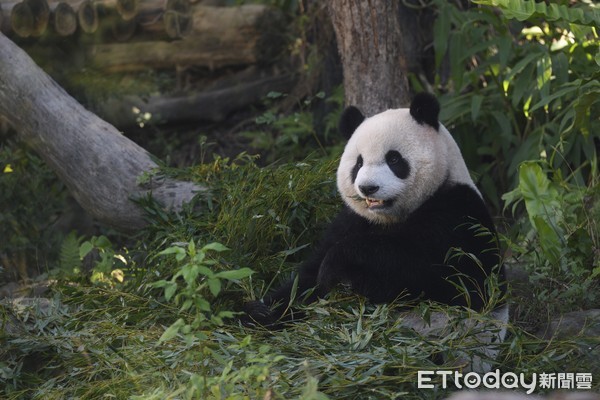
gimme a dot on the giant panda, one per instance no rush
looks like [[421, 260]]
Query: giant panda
[[413, 224]]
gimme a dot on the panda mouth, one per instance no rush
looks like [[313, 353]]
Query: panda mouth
[[374, 204]]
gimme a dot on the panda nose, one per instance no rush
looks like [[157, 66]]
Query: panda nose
[[368, 189]]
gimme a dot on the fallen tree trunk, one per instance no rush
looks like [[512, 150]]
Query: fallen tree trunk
[[211, 105], [99, 165], [221, 36]]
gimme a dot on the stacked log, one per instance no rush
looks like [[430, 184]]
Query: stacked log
[[31, 17], [221, 36]]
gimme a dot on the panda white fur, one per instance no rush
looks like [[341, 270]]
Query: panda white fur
[[409, 201]]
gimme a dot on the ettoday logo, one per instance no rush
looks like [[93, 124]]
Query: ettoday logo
[[472, 380]]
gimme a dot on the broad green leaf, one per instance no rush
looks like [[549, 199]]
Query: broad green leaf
[[214, 285], [172, 250], [523, 10], [235, 274], [170, 289], [102, 242], [215, 247], [172, 330], [84, 249]]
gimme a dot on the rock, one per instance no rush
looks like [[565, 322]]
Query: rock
[[577, 323]]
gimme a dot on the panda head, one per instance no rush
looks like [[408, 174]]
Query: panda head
[[394, 161]]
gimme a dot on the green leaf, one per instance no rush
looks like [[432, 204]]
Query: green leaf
[[172, 330], [190, 272], [170, 289], [102, 242], [476, 102], [84, 249], [441, 33], [523, 10], [235, 274], [178, 251], [215, 247], [214, 285]]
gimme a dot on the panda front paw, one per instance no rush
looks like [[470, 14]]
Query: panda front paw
[[257, 313]]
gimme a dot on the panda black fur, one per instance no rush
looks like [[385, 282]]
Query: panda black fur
[[409, 201]]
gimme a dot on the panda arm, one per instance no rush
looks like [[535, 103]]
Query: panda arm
[[271, 309]]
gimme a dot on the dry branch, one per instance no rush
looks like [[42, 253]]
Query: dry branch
[[99, 165]]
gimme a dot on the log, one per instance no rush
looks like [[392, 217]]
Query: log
[[87, 16], [221, 36], [127, 9], [111, 25], [99, 165], [212, 105], [41, 16], [21, 20], [174, 17], [63, 18]]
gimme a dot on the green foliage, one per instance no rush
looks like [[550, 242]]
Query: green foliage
[[266, 215], [524, 10], [518, 90], [294, 135], [561, 237], [94, 260], [69, 262], [31, 199], [201, 284], [108, 269]]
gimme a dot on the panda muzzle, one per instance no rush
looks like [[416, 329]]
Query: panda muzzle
[[375, 202]]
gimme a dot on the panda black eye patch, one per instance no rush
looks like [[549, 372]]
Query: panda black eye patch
[[397, 164], [357, 166]]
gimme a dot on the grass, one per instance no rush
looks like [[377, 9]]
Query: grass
[[103, 340]]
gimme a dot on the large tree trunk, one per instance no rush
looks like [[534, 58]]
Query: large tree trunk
[[370, 44], [99, 165]]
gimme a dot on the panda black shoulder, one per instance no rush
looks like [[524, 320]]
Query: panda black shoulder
[[425, 109]]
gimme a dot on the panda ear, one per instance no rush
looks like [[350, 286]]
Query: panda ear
[[425, 109], [350, 120]]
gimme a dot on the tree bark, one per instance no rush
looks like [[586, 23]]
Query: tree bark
[[370, 44], [99, 165]]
